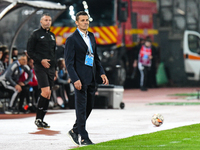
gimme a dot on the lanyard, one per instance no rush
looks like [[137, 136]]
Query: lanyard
[[90, 50]]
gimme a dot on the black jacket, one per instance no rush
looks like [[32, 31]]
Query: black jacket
[[60, 51], [41, 45], [75, 52]]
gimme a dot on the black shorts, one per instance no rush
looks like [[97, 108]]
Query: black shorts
[[45, 76]]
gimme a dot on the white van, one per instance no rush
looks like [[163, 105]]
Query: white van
[[191, 52]]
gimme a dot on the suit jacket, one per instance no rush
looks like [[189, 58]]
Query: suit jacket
[[75, 53]]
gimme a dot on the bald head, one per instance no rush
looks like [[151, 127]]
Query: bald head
[[46, 21]]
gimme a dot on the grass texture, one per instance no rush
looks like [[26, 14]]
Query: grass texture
[[182, 138], [175, 103]]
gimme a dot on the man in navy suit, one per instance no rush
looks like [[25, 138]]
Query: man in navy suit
[[83, 64]]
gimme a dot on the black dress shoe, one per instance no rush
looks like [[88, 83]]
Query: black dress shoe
[[143, 89], [74, 137], [86, 142]]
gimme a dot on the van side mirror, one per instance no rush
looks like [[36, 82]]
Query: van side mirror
[[122, 11]]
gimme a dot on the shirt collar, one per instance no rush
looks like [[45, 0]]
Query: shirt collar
[[81, 33], [45, 29]]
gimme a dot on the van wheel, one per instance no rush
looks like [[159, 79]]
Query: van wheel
[[122, 105]]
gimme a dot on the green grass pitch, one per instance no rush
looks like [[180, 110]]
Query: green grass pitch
[[182, 138]]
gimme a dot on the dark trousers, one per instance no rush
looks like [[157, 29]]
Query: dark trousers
[[61, 91], [144, 73], [84, 100], [24, 94]]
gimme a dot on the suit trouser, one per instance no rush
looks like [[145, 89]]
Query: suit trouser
[[84, 100]]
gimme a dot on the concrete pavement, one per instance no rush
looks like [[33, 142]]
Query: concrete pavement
[[20, 133]]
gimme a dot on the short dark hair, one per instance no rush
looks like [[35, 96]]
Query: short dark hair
[[3, 48], [81, 13], [141, 39], [4, 55], [59, 61], [45, 14], [148, 40], [14, 48]]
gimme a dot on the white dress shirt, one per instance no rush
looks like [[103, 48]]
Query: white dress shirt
[[86, 38]]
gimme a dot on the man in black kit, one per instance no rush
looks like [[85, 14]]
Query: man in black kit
[[41, 48]]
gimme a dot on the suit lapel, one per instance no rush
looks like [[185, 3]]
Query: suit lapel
[[80, 39], [82, 42]]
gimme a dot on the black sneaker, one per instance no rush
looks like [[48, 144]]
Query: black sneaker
[[38, 123], [45, 125], [143, 89], [11, 110], [86, 142], [74, 137]]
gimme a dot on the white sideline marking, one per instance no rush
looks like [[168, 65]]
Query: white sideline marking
[[187, 139], [161, 145], [175, 142]]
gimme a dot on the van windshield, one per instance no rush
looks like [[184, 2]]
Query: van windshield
[[194, 43], [101, 13]]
